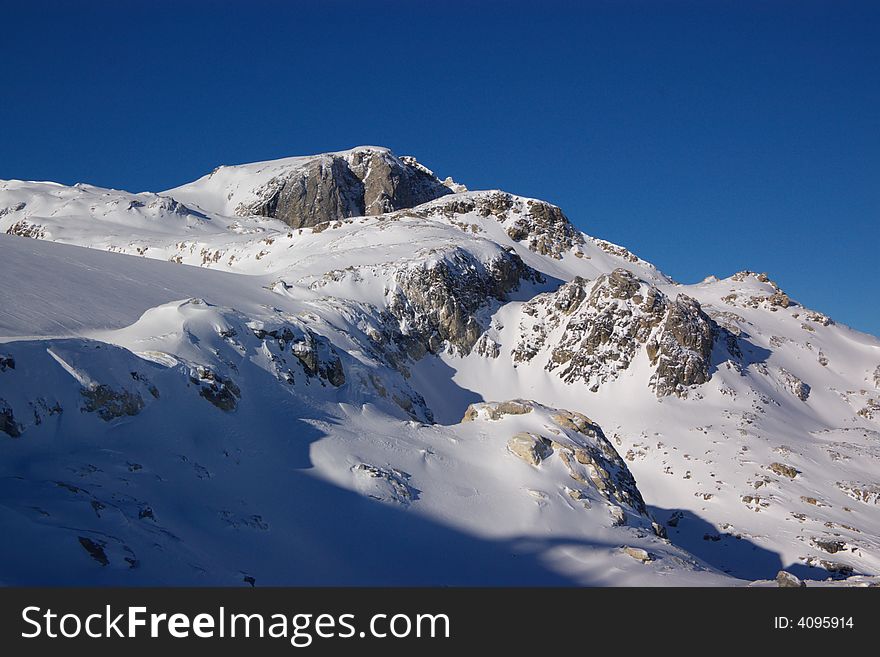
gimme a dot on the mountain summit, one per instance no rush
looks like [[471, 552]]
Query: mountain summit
[[341, 369]]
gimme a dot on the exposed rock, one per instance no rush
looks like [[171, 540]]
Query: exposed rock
[[638, 554], [877, 376], [319, 358], [542, 227], [222, 392], [497, 410], [109, 403], [384, 484], [435, 300], [682, 350], [333, 187], [487, 347], [530, 448], [314, 352], [784, 470], [6, 363], [8, 425], [831, 546], [575, 421], [95, 549], [785, 579], [866, 493], [604, 327], [24, 228], [600, 327], [797, 387]]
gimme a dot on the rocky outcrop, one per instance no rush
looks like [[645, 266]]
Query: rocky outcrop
[[529, 447], [794, 385], [784, 470], [314, 353], [384, 484], [611, 324], [587, 455], [591, 332], [497, 410], [221, 391], [540, 226], [862, 492], [8, 424], [785, 579], [110, 404], [332, 187], [435, 300], [682, 349]]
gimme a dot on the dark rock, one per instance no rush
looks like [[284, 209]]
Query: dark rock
[[109, 403], [8, 425], [95, 550]]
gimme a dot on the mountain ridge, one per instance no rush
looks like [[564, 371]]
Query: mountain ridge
[[379, 312]]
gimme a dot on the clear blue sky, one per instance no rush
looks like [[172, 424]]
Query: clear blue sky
[[708, 137]]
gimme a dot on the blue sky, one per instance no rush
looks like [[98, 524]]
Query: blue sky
[[708, 137]]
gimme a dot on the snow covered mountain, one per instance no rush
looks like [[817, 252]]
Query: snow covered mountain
[[340, 369]]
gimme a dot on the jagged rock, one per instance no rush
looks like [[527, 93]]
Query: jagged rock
[[797, 387], [682, 350], [659, 530], [319, 358], [8, 363], [867, 493], [487, 347], [222, 392], [8, 425], [435, 300], [384, 484], [784, 470], [497, 410], [109, 403], [530, 448], [604, 327], [785, 579], [333, 187], [541, 226], [95, 549], [24, 228], [600, 327], [831, 546]]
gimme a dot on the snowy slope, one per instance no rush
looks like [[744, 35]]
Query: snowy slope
[[306, 392]]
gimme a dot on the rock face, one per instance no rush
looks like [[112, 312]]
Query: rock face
[[434, 302], [109, 403], [682, 349], [8, 425], [586, 454], [797, 387], [332, 187], [591, 332], [540, 226], [530, 448]]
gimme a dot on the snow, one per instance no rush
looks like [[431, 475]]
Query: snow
[[157, 297]]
